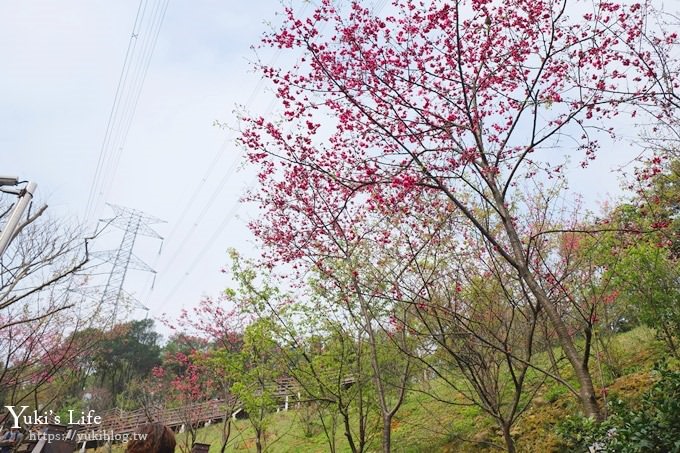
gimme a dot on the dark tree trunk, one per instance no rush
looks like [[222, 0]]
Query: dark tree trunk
[[258, 441], [387, 434], [509, 442], [348, 432], [226, 432]]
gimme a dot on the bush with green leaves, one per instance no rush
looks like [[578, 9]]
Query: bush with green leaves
[[653, 426]]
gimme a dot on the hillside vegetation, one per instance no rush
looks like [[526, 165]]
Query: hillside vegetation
[[424, 425]]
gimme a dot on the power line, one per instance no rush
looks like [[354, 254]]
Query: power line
[[230, 215], [204, 211], [216, 158], [135, 93], [107, 133], [232, 212], [143, 39]]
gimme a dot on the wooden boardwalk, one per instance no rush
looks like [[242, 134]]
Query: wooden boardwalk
[[116, 423], [121, 422], [286, 391]]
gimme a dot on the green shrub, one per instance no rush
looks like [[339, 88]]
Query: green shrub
[[553, 393], [652, 427]]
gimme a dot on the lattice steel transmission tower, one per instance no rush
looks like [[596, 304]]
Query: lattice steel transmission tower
[[134, 223]]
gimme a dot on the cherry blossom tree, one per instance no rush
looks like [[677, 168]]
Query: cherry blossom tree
[[34, 354], [41, 315], [209, 339], [461, 101], [241, 359], [193, 385]]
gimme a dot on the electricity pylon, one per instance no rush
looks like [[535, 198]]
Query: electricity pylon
[[134, 223]]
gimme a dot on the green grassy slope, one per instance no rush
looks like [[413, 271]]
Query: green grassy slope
[[425, 425]]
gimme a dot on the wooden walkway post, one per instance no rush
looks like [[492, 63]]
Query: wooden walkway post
[[200, 448], [54, 440]]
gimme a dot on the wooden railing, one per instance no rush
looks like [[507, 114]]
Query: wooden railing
[[118, 422], [121, 422]]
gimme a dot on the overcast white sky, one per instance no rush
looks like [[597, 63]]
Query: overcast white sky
[[61, 62]]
